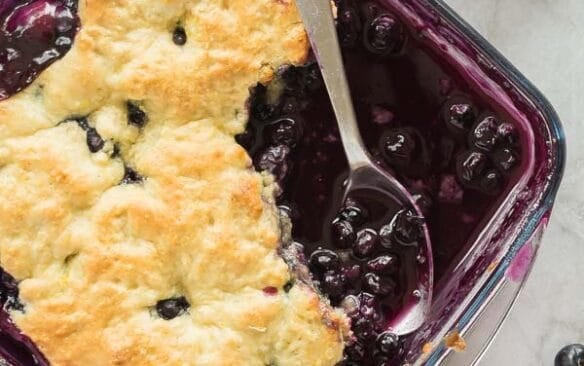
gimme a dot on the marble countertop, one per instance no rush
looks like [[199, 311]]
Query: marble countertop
[[543, 39]]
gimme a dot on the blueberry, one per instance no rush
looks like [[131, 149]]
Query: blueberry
[[323, 259], [407, 227], [9, 292], [505, 159], [459, 117], [491, 182], [353, 214], [379, 285], [285, 131], [470, 167], [507, 133], [385, 264], [352, 273], [343, 233], [348, 24], [484, 135], [171, 308], [365, 315], [355, 351], [572, 355], [365, 243], [136, 116], [383, 35], [94, 140], [179, 36], [386, 236], [275, 161], [131, 176], [399, 147], [333, 283], [388, 343]]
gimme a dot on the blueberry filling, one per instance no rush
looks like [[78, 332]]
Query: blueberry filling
[[9, 292], [131, 176], [33, 35], [171, 308], [179, 36], [136, 116], [441, 141], [94, 141]]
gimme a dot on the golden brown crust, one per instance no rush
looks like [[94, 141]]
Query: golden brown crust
[[94, 256]]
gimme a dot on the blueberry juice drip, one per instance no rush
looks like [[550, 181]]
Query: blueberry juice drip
[[33, 35], [420, 121]]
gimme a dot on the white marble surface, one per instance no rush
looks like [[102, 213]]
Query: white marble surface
[[545, 39]]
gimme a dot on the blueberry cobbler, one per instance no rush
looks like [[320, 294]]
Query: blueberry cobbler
[[171, 174]]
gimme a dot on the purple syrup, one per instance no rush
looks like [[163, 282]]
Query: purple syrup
[[421, 121], [33, 35]]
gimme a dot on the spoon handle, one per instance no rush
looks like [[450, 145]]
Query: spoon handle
[[319, 23]]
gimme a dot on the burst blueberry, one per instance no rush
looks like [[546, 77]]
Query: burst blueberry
[[484, 135]]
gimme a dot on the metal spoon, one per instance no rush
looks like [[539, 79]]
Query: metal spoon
[[364, 174]]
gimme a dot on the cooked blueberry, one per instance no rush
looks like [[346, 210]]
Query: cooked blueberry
[[323, 260], [131, 176], [491, 182], [459, 117], [379, 285], [353, 213], [383, 35], [484, 135], [136, 116], [94, 140], [9, 292], [386, 236], [470, 166], [288, 286], [399, 147], [352, 273], [343, 233], [275, 161], [285, 131], [179, 36], [504, 159], [388, 343], [407, 227], [572, 355], [508, 134], [385, 264], [171, 308], [348, 24], [355, 351], [365, 243], [333, 283]]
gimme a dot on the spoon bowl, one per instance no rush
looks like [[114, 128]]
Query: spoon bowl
[[364, 174]]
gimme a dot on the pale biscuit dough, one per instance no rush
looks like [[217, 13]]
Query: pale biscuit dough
[[93, 256]]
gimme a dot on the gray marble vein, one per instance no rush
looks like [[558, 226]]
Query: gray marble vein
[[544, 39]]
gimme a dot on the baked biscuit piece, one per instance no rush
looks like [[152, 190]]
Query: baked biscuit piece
[[122, 186]]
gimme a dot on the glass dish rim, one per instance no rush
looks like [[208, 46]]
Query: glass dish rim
[[542, 208]]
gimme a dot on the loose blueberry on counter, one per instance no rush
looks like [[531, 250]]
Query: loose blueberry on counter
[[136, 116], [179, 36], [171, 308], [572, 355]]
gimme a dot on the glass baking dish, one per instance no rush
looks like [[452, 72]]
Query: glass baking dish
[[476, 294]]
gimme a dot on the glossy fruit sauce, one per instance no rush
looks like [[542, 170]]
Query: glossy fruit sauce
[[419, 120]]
